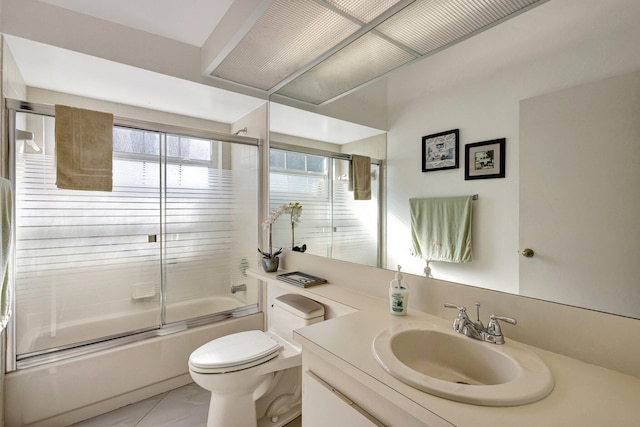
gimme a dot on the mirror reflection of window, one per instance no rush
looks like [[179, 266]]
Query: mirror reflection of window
[[332, 223]]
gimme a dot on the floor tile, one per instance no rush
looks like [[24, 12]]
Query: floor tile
[[186, 406], [127, 416]]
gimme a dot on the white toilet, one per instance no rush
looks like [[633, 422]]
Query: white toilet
[[254, 376]]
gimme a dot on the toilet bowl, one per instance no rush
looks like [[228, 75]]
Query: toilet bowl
[[254, 374]]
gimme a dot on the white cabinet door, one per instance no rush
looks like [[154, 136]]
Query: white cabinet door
[[323, 405]]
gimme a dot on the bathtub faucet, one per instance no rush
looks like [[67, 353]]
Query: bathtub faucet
[[237, 288]]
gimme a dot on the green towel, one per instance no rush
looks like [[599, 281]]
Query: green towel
[[441, 228], [6, 207]]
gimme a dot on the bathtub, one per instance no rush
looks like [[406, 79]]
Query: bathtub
[[67, 391], [135, 316], [183, 310]]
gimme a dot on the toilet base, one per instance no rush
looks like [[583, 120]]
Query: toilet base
[[284, 398], [237, 406], [244, 414], [241, 413], [283, 419]]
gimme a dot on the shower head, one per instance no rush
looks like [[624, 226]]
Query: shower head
[[241, 131], [26, 136]]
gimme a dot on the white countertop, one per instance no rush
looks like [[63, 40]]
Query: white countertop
[[584, 394]]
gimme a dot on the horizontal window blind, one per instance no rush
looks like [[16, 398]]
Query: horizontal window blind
[[91, 265]]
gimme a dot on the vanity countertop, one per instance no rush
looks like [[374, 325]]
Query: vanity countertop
[[584, 394]]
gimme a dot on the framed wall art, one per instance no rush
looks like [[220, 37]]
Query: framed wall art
[[440, 151], [485, 159]]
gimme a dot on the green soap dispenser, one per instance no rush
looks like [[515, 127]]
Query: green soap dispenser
[[398, 295]]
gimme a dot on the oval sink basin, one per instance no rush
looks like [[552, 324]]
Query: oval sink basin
[[456, 367]]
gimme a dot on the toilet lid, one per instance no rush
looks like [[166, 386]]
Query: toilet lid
[[242, 350]]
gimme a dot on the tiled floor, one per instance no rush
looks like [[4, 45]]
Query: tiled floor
[[183, 407]]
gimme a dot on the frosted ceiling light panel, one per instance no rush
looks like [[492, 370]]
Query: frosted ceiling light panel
[[287, 37], [428, 25], [363, 60], [363, 10]]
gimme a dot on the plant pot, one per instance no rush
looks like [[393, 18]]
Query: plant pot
[[270, 264]]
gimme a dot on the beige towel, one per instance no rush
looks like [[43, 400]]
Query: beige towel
[[84, 146], [360, 177]]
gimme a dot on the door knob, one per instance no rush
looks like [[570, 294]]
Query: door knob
[[528, 253]]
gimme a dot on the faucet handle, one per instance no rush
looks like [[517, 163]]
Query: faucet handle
[[460, 308], [493, 328], [504, 319], [458, 322]]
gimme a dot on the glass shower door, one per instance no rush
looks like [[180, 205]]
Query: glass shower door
[[171, 243], [210, 236], [85, 265]]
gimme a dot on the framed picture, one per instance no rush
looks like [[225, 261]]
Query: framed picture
[[485, 159], [440, 151]]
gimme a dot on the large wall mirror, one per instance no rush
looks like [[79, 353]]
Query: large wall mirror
[[536, 80], [531, 79]]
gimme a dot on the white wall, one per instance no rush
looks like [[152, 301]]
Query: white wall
[[255, 122], [303, 142], [477, 89], [49, 97], [495, 213], [374, 147], [13, 85]]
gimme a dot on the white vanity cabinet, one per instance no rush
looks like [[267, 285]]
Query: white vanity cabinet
[[335, 394], [323, 405]]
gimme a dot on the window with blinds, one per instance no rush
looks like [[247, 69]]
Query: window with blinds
[[332, 223], [164, 246]]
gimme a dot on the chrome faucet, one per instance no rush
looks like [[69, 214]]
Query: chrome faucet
[[476, 330], [238, 288]]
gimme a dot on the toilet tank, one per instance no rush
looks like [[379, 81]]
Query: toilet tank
[[291, 312]]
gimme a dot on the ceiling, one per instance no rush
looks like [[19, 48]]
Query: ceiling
[[196, 22], [312, 51], [187, 21]]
